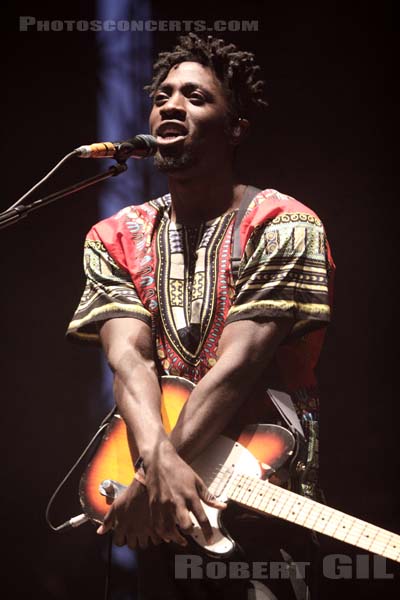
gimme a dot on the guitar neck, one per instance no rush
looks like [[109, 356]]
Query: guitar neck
[[267, 498]]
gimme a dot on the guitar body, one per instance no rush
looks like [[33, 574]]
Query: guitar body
[[113, 459], [259, 450]]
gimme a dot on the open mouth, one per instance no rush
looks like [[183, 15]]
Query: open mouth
[[169, 133]]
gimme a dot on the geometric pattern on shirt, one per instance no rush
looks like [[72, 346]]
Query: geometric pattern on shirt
[[187, 281], [284, 270], [109, 290]]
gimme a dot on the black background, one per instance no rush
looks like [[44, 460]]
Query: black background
[[325, 140]]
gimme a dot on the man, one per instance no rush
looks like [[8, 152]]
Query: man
[[161, 296]]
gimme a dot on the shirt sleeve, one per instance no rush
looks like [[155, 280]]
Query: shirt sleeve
[[285, 272], [109, 293]]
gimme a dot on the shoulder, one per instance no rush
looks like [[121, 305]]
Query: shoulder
[[283, 220], [129, 221], [131, 228], [270, 203], [271, 208]]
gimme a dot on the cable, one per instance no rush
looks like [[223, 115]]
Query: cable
[[107, 586], [58, 165], [79, 519]]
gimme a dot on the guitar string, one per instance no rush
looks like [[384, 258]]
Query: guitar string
[[358, 525], [371, 535], [220, 471]]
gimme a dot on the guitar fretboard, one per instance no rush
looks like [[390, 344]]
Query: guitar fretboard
[[270, 499]]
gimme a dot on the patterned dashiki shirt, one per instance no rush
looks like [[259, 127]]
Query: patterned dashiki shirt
[[178, 280]]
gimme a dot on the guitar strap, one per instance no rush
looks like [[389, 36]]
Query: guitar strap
[[236, 256], [281, 400]]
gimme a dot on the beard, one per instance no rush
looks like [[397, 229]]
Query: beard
[[172, 163]]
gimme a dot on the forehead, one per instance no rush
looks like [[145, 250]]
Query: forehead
[[193, 72]]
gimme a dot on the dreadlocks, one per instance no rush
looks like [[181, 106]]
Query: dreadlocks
[[234, 68]]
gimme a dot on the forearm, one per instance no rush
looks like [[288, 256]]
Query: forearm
[[245, 350], [211, 406], [128, 348], [137, 396]]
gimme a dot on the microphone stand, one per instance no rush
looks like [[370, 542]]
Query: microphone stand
[[13, 215]]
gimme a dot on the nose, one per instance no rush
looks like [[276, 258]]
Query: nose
[[174, 108]]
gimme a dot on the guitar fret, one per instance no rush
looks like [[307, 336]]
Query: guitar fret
[[390, 547], [248, 488], [240, 489], [300, 515], [297, 513], [273, 504], [357, 531], [261, 491], [343, 525], [304, 512], [341, 529], [372, 537], [288, 512], [254, 494], [353, 529], [281, 503], [249, 491], [329, 522]]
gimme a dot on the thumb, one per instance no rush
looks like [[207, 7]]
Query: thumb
[[103, 529], [209, 498]]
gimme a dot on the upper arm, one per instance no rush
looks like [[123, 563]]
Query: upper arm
[[285, 273], [125, 340], [252, 343], [109, 293]]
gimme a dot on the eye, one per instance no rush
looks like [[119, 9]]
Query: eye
[[159, 98], [197, 98]]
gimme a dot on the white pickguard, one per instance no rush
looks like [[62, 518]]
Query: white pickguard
[[215, 466]]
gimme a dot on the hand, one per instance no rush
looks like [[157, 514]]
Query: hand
[[129, 517], [174, 489]]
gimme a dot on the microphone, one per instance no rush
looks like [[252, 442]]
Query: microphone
[[140, 146]]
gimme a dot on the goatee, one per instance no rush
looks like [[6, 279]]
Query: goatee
[[171, 163]]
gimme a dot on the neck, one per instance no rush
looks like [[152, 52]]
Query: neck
[[196, 200]]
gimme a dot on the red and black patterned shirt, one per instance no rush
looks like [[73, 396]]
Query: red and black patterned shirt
[[178, 279]]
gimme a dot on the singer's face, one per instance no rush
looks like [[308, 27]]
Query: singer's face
[[189, 118]]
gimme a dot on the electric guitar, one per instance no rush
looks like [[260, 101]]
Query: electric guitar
[[235, 470]]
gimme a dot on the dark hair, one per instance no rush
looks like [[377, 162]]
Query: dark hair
[[234, 68]]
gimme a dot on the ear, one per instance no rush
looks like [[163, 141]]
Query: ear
[[239, 131]]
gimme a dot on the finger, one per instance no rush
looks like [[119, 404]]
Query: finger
[[176, 537], [162, 521], [183, 520], [172, 534], [143, 541], [202, 519], [119, 538], [179, 538], [156, 540], [131, 542], [208, 497], [108, 523], [167, 530]]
